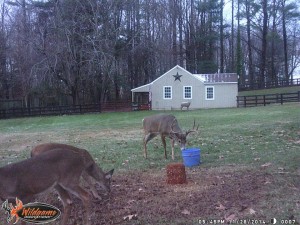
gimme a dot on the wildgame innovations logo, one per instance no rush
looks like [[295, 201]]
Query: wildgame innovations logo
[[34, 212]]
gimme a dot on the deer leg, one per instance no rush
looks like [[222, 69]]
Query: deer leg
[[172, 144], [85, 198], [163, 139], [66, 200], [147, 138]]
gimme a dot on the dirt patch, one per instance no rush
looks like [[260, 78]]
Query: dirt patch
[[146, 198], [152, 201]]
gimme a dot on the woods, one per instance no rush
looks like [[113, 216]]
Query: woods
[[59, 52]]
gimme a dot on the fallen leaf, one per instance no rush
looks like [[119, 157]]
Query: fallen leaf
[[130, 217], [268, 182], [131, 201], [266, 165], [186, 212], [252, 211], [220, 206], [230, 218]]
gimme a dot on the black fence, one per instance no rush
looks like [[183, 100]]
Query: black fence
[[65, 110], [268, 84], [259, 100]]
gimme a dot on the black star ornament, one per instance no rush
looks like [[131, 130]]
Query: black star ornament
[[177, 77]]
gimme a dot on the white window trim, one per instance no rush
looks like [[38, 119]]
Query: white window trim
[[164, 92], [184, 92], [210, 99]]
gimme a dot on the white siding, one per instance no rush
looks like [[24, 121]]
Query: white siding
[[224, 93]]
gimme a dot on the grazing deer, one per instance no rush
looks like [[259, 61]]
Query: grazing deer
[[57, 168], [185, 104], [93, 171], [165, 126]]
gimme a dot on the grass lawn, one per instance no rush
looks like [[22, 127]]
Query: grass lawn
[[263, 141]]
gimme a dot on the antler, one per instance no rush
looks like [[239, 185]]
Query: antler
[[172, 125], [193, 129]]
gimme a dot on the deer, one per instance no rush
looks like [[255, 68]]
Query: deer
[[185, 104], [165, 126], [59, 169], [93, 175]]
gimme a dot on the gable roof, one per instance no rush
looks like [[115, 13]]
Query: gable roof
[[204, 78], [147, 87], [177, 67]]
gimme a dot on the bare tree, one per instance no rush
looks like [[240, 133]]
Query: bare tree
[[73, 52]]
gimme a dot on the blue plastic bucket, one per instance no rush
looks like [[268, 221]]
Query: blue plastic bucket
[[191, 157]]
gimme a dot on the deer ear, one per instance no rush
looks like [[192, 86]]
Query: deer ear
[[109, 174]]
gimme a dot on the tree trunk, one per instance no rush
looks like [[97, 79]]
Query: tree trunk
[[232, 38], [264, 42], [221, 38], [249, 44], [285, 50]]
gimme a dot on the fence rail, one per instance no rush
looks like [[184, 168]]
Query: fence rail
[[268, 84], [259, 100], [65, 110]]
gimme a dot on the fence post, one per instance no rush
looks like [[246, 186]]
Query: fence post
[[298, 96], [281, 99], [264, 100], [245, 101]]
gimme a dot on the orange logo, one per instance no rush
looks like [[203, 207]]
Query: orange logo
[[35, 212]]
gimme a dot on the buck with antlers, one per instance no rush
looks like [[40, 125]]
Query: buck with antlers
[[59, 168], [165, 126]]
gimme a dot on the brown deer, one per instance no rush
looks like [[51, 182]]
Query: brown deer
[[94, 171], [57, 168], [165, 126]]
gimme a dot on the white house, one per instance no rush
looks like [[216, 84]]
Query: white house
[[176, 86]]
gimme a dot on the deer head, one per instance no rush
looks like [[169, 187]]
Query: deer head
[[180, 137]]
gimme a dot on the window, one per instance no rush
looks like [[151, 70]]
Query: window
[[167, 92], [210, 95], [187, 92]]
